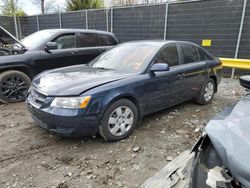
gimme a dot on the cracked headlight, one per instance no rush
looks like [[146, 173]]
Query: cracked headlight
[[71, 102]]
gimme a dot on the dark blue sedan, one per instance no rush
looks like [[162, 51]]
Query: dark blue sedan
[[118, 88]]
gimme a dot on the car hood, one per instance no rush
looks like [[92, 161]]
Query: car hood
[[229, 133], [7, 39], [74, 80]]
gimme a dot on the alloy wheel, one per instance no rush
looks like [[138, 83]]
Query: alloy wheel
[[13, 88]]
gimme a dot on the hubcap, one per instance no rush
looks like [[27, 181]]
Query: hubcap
[[120, 121], [209, 91], [13, 88]]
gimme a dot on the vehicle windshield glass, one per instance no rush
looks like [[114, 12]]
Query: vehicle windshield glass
[[36, 39], [128, 58]]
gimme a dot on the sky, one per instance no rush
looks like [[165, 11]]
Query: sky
[[31, 9]]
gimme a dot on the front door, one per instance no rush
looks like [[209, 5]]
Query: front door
[[64, 55], [164, 89]]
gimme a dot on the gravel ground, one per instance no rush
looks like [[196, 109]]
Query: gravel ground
[[32, 157]]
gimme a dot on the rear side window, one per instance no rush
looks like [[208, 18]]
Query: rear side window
[[106, 40], [190, 54], [88, 40], [204, 56], [169, 55]]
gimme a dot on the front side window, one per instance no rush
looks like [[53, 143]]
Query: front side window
[[66, 41], [190, 54], [88, 40], [168, 55]]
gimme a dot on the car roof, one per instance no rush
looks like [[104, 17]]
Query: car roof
[[157, 43], [79, 30]]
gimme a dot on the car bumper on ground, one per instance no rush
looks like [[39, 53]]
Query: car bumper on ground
[[66, 123], [176, 174]]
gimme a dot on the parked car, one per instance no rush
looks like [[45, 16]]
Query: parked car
[[43, 50], [219, 159], [121, 86]]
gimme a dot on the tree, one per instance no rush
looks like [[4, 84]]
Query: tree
[[10, 8], [73, 5], [46, 6]]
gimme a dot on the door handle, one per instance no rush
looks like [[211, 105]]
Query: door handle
[[181, 75], [101, 50], [74, 53]]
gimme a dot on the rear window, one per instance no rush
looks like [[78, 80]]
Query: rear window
[[190, 53], [204, 56]]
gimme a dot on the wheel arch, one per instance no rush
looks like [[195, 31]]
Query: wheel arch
[[215, 81], [23, 69], [130, 97]]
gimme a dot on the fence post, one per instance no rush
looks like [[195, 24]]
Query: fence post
[[37, 23], [60, 20], [166, 21], [16, 27], [87, 25], [107, 19], [111, 20], [239, 35]]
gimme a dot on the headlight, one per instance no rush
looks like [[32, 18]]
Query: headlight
[[71, 102]]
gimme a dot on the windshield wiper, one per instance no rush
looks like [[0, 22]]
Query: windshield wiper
[[103, 68]]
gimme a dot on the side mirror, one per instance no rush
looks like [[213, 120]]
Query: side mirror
[[158, 67], [245, 81], [50, 46]]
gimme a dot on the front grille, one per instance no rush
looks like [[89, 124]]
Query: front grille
[[37, 97]]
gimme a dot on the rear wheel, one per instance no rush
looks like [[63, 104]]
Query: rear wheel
[[207, 92], [14, 86], [119, 120]]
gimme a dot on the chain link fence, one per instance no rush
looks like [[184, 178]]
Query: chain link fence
[[225, 23], [8, 23]]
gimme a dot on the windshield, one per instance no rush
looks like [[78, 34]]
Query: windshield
[[128, 58], [36, 39]]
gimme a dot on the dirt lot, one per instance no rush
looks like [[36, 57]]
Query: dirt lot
[[31, 157]]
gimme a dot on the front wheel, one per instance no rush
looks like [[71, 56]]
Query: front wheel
[[14, 86], [207, 92], [119, 120]]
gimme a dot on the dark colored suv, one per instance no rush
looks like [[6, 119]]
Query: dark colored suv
[[43, 50]]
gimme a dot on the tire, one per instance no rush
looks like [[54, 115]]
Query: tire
[[14, 86], [207, 92], [119, 120]]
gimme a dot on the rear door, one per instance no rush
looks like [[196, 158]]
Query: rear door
[[91, 45], [194, 69]]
